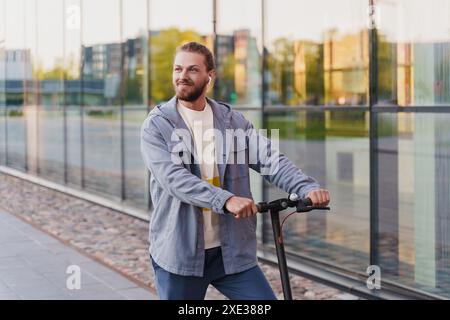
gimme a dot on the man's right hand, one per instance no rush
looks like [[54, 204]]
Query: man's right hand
[[241, 207]]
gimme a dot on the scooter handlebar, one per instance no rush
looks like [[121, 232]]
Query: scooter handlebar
[[262, 207], [307, 202], [282, 204]]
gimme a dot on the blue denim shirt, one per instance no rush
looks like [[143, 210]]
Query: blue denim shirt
[[178, 192]]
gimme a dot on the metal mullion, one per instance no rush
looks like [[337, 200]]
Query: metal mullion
[[411, 109], [122, 101], [65, 150], [37, 98], [315, 108], [6, 72], [82, 164], [265, 196], [373, 142], [215, 44], [24, 84], [148, 90]]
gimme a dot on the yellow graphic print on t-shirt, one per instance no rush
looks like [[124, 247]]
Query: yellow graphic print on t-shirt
[[215, 182]]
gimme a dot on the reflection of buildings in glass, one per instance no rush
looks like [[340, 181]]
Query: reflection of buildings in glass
[[442, 72], [15, 64], [431, 77], [15, 72], [431, 73], [334, 72], [418, 71], [417, 74], [247, 68], [101, 73], [225, 46], [413, 74], [308, 72], [101, 60], [225, 68], [346, 62], [102, 69], [345, 78], [404, 76], [134, 56], [239, 68], [405, 86]]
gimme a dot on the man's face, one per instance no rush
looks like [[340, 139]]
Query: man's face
[[190, 76]]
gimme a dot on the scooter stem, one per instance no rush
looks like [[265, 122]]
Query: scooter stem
[[281, 255]]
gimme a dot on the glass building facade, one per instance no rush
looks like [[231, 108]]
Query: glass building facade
[[359, 90]]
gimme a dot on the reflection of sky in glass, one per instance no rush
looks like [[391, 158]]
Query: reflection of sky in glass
[[238, 14], [101, 21], [14, 24], [193, 14], [49, 31], [303, 19], [415, 20], [307, 20], [72, 36], [134, 15]]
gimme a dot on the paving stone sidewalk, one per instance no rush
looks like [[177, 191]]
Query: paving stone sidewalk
[[115, 239], [34, 265]]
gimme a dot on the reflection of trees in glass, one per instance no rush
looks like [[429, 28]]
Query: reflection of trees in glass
[[387, 71], [67, 70], [296, 72], [313, 83], [163, 44], [317, 125], [346, 62], [331, 72], [280, 62], [347, 123], [133, 90], [49, 82], [226, 91]]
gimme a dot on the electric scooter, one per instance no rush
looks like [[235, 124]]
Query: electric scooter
[[274, 207]]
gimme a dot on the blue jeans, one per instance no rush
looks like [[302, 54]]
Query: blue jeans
[[246, 285]]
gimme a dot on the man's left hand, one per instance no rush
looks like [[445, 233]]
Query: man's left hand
[[319, 197]]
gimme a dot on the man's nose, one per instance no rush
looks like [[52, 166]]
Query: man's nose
[[183, 74]]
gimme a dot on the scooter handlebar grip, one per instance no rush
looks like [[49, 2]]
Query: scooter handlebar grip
[[262, 207], [307, 202]]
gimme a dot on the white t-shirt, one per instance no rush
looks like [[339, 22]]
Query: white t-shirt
[[201, 125]]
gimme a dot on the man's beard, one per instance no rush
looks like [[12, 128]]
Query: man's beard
[[190, 95]]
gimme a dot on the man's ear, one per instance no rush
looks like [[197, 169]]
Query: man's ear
[[211, 76]]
